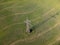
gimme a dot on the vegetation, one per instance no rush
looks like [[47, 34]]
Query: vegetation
[[44, 16]]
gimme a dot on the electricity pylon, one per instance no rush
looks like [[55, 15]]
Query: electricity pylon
[[28, 24]]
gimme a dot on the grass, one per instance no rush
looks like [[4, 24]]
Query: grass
[[13, 13]]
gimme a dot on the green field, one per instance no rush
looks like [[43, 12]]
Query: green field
[[45, 20]]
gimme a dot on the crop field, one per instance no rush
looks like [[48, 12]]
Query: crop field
[[45, 20]]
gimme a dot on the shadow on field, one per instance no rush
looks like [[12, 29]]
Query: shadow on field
[[41, 23]]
